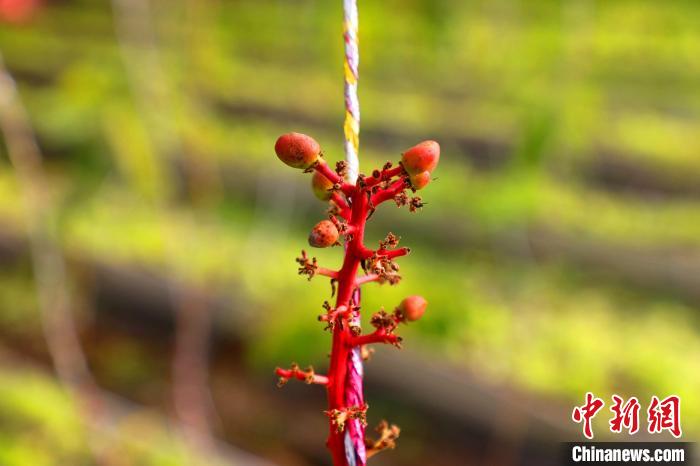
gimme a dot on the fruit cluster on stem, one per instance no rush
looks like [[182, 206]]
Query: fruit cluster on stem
[[351, 205]]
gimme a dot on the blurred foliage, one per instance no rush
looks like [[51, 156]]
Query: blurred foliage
[[42, 426], [159, 146]]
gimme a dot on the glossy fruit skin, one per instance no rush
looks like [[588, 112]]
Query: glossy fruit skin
[[420, 180], [321, 186], [421, 157], [297, 150], [413, 307], [323, 235]]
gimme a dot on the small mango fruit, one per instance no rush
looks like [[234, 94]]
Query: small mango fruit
[[413, 307], [323, 235], [420, 180], [297, 150], [421, 158], [321, 186]]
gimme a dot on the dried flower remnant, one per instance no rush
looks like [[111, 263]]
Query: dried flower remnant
[[386, 441], [350, 206]]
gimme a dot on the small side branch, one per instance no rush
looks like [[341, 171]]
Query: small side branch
[[385, 250], [343, 207], [344, 228], [332, 316], [394, 253], [379, 336], [366, 253], [307, 376], [323, 168], [385, 175], [389, 193], [386, 269], [309, 267], [370, 277], [385, 324], [327, 272]]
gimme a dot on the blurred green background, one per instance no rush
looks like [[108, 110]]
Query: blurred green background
[[559, 248]]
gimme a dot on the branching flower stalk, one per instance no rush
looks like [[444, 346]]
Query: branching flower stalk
[[351, 206]]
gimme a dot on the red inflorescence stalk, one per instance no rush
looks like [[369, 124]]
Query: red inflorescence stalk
[[354, 204]]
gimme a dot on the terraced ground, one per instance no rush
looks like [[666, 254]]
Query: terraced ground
[[560, 245]]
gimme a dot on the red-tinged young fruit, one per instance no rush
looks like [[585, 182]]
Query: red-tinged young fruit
[[297, 150], [413, 307], [323, 235], [420, 180], [421, 157], [321, 186]]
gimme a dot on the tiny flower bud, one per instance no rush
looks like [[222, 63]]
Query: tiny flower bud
[[413, 307], [420, 180], [324, 234], [297, 150], [421, 157], [321, 186]]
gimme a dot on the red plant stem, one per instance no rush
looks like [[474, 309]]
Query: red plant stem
[[366, 253], [384, 175], [342, 205], [355, 211], [327, 272], [349, 230], [323, 168], [333, 315], [301, 375], [389, 193], [393, 253], [380, 336], [340, 352], [370, 277]]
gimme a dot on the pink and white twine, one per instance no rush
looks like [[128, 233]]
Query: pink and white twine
[[355, 433]]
